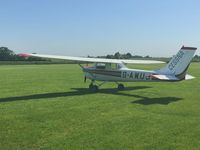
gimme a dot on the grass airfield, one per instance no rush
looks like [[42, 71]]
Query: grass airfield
[[49, 107]]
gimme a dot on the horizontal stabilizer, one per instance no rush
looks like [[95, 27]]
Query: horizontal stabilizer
[[171, 77], [188, 77], [165, 77]]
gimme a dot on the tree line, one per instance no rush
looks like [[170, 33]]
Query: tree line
[[118, 55]]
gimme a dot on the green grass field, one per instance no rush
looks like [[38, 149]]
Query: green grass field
[[49, 107]]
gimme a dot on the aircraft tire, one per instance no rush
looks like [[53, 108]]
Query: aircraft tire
[[120, 87], [93, 88]]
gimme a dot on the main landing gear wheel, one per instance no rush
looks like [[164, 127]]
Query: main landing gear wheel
[[120, 87], [93, 88]]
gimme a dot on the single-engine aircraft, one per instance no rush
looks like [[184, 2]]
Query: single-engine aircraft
[[115, 70]]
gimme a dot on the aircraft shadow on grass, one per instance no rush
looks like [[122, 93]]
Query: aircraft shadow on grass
[[83, 91]]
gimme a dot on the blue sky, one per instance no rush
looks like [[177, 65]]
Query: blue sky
[[91, 27]]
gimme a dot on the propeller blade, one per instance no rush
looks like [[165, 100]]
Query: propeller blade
[[85, 79]]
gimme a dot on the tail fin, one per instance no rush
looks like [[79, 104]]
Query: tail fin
[[179, 63]]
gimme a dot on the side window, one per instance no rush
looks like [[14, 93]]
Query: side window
[[119, 66], [108, 66], [100, 66], [114, 66]]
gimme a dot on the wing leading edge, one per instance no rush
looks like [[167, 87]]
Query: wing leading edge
[[94, 60]]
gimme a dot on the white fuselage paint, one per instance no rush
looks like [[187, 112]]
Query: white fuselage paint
[[125, 75]]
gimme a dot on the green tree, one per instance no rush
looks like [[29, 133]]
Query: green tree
[[128, 55], [110, 56], [117, 55], [6, 54]]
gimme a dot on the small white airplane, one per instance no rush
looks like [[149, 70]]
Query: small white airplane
[[115, 70]]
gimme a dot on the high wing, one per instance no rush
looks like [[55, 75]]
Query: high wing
[[94, 60]]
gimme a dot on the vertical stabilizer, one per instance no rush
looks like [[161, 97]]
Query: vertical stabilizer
[[179, 63]]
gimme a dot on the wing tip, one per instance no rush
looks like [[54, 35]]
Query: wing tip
[[24, 55]]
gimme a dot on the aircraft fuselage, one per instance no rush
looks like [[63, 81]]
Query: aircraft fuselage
[[125, 75]]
